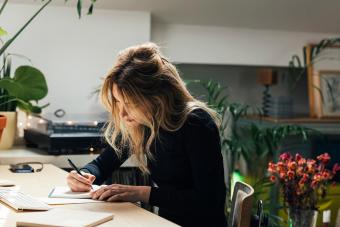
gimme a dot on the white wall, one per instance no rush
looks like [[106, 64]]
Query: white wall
[[74, 54], [235, 46]]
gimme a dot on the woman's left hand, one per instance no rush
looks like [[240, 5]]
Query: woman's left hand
[[122, 193]]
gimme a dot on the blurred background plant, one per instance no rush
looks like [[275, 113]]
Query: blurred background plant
[[251, 146], [298, 68]]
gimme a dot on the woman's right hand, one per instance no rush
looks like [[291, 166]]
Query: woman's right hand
[[78, 183]]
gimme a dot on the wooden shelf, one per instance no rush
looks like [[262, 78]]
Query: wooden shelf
[[329, 126], [299, 120]]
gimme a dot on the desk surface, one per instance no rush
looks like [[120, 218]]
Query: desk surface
[[24, 154], [40, 184]]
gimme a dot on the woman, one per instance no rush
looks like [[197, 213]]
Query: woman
[[173, 136]]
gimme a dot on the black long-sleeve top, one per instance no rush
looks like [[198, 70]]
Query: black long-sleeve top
[[187, 168]]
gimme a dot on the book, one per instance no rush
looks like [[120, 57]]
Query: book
[[63, 217], [66, 192]]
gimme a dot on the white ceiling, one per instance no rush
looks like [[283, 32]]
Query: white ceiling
[[294, 15]]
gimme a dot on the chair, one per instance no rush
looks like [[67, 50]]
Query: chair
[[337, 222], [241, 205], [260, 219]]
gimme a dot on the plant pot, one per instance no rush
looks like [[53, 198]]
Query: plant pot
[[302, 218], [2, 124], [9, 133]]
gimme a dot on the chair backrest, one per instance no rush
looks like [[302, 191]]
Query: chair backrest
[[337, 222], [241, 205]]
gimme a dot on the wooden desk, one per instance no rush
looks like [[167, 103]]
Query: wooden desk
[[40, 184], [23, 154]]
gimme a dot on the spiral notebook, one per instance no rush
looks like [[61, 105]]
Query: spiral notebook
[[60, 217]]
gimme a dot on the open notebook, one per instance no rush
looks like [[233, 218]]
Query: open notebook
[[65, 192], [64, 217]]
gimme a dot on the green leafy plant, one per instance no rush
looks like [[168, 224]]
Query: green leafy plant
[[23, 89], [298, 67], [261, 144], [254, 144], [28, 85]]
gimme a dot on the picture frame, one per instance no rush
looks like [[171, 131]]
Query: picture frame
[[327, 93]]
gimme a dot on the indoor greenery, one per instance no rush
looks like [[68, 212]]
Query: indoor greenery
[[27, 85], [298, 67], [252, 143]]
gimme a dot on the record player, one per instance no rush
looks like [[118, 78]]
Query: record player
[[66, 134]]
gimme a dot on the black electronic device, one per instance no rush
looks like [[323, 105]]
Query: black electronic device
[[68, 135], [21, 168]]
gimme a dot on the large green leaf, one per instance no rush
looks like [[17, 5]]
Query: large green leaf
[[28, 107], [28, 84], [32, 82]]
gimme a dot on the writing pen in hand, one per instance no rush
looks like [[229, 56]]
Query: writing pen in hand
[[76, 169]]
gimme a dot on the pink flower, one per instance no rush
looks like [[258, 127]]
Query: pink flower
[[282, 174], [290, 175], [298, 157], [280, 166], [272, 178], [324, 158], [311, 162], [292, 165], [311, 166], [300, 171], [271, 167], [305, 176], [317, 177], [302, 161], [326, 175], [285, 156], [336, 168]]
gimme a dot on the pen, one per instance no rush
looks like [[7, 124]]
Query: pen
[[75, 168]]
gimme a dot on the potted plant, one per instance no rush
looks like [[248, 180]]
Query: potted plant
[[23, 90], [303, 183], [26, 86], [2, 124]]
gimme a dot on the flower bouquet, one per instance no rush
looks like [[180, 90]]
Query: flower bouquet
[[303, 183]]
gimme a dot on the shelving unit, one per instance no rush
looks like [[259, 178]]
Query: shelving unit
[[326, 126]]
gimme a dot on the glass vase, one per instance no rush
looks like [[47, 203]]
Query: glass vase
[[302, 218]]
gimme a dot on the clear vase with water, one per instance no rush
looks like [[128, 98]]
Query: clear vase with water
[[302, 218]]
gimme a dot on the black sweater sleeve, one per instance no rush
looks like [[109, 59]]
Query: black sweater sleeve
[[202, 146], [103, 166]]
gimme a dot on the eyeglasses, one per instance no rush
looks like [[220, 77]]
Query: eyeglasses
[[24, 167]]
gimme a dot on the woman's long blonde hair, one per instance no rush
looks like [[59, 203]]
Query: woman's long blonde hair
[[152, 87]]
